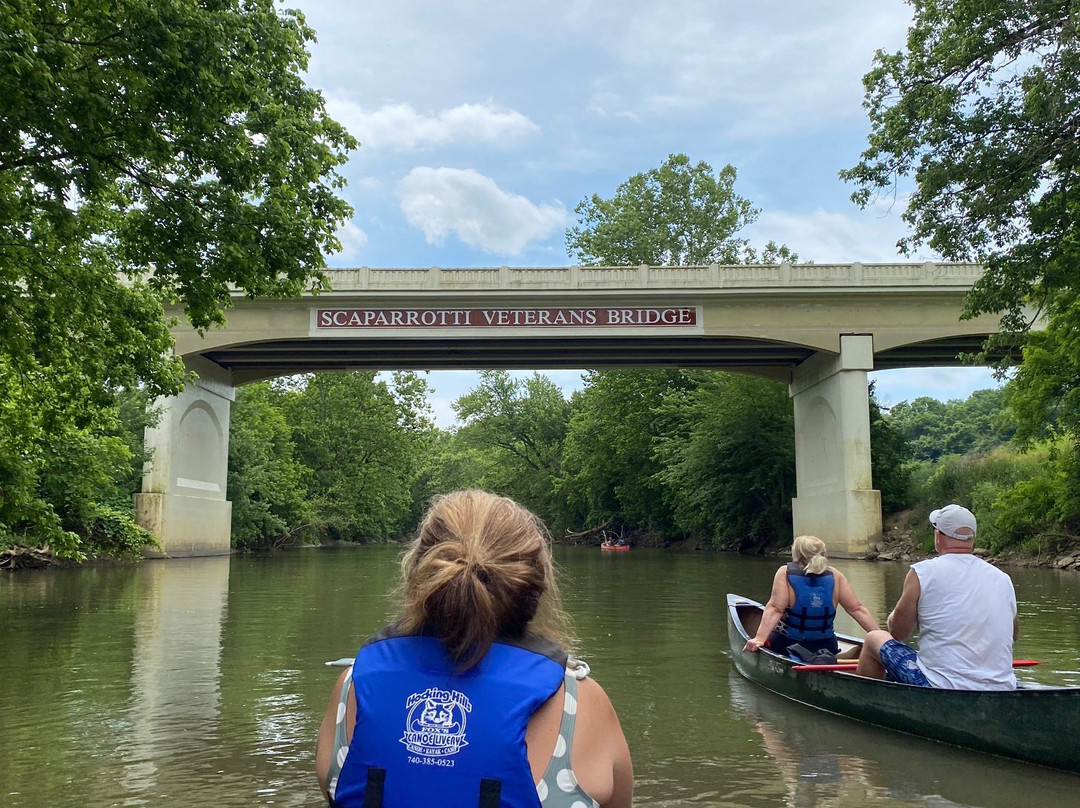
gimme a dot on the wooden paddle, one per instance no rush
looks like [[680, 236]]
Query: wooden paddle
[[850, 666]]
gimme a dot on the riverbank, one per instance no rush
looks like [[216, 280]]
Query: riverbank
[[905, 538], [902, 540]]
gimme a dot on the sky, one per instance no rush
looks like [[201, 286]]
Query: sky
[[483, 124]]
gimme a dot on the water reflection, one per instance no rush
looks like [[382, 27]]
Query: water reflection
[[175, 690], [826, 761]]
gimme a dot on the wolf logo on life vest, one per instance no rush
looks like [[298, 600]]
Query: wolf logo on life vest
[[435, 722]]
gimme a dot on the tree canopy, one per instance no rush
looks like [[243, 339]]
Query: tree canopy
[[150, 152], [520, 426], [730, 467], [981, 109], [676, 214], [936, 429], [609, 457]]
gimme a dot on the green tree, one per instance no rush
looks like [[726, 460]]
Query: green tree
[[66, 468], [730, 472], [672, 215], [679, 213], [890, 460], [1044, 395], [453, 464], [267, 485], [920, 422], [149, 152], [365, 443], [936, 429], [612, 474], [521, 424], [982, 110]]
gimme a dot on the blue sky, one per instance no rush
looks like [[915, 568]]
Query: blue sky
[[483, 124]]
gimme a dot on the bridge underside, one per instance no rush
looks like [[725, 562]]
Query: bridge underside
[[263, 360]]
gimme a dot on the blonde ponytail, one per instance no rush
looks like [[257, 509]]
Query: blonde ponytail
[[479, 568], [809, 553]]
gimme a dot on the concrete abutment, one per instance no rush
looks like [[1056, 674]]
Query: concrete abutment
[[183, 498], [835, 498]]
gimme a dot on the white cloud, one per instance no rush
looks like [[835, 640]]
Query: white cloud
[[824, 236], [439, 201], [761, 69], [402, 128], [352, 238], [366, 184]]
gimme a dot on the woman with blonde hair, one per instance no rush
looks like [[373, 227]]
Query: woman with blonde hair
[[802, 606], [467, 698]]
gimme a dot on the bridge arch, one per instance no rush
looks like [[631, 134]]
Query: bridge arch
[[819, 328]]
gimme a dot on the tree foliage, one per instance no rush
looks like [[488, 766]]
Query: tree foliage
[[730, 471], [890, 459], [1044, 395], [364, 443], [520, 424], [629, 429], [612, 474], [982, 109], [67, 467], [149, 152], [268, 486], [936, 429], [677, 214]]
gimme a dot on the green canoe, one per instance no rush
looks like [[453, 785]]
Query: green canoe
[[1033, 723]]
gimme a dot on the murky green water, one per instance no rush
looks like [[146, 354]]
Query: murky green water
[[191, 683]]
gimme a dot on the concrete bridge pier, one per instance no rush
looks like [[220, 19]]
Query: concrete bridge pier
[[183, 492], [835, 497]]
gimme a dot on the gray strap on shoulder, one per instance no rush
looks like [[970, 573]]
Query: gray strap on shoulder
[[341, 739], [569, 715]]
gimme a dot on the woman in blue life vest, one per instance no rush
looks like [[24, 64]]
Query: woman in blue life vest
[[467, 698], [801, 608]]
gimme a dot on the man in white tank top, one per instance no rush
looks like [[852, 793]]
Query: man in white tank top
[[965, 610]]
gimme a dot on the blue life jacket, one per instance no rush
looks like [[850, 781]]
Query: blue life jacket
[[426, 734], [811, 616]]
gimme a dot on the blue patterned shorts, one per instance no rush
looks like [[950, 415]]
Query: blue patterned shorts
[[899, 661]]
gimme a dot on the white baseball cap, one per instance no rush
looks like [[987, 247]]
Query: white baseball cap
[[955, 521]]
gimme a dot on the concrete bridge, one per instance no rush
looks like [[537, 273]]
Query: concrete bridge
[[819, 328]]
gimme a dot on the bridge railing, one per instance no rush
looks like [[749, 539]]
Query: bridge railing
[[655, 277]]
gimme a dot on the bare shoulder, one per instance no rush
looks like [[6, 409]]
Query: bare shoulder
[[595, 710], [600, 756]]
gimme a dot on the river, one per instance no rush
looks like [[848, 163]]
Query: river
[[201, 682]]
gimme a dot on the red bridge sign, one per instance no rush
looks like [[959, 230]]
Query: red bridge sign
[[591, 317]]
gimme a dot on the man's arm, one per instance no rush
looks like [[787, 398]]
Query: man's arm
[[905, 615]]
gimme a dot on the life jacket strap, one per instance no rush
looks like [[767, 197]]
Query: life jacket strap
[[373, 791], [490, 792]]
